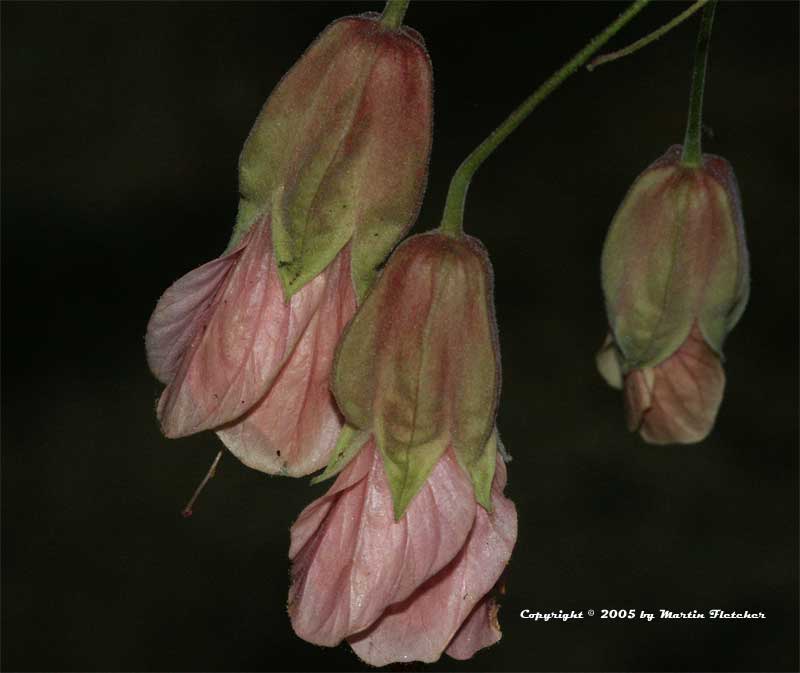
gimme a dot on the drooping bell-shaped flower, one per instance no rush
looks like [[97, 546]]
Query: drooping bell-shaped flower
[[331, 176], [400, 556], [676, 281]]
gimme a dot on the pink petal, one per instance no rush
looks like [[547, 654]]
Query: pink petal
[[481, 629], [677, 401], [311, 519], [181, 310], [422, 626], [293, 428], [638, 396], [358, 559], [240, 342]]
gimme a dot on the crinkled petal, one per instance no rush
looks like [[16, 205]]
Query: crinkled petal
[[677, 401], [481, 629], [312, 517], [421, 627], [359, 560], [180, 311], [292, 430], [238, 348]]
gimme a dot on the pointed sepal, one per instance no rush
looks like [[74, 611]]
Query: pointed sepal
[[480, 467]]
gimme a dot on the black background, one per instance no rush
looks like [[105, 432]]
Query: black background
[[121, 126]]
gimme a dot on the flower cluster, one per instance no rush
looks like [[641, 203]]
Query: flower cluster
[[319, 341]]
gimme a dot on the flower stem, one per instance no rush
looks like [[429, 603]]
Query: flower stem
[[692, 151], [393, 13], [647, 39], [453, 217]]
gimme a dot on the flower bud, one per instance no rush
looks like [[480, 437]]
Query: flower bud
[[418, 366], [675, 278], [340, 151]]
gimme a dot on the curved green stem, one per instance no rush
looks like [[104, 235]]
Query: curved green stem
[[647, 39], [692, 151], [393, 13], [453, 217]]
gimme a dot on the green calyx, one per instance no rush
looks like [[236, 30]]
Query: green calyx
[[408, 468], [674, 257], [418, 365], [480, 466], [408, 465], [327, 160], [292, 166], [651, 293]]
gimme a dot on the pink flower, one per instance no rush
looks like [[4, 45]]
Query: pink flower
[[401, 554], [676, 281], [331, 176], [404, 590]]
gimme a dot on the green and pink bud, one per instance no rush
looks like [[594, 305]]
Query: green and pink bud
[[339, 153], [676, 280], [418, 367]]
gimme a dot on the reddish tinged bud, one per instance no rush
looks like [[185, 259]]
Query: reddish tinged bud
[[676, 281], [418, 366], [340, 150]]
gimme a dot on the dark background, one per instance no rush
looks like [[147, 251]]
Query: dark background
[[121, 126]]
